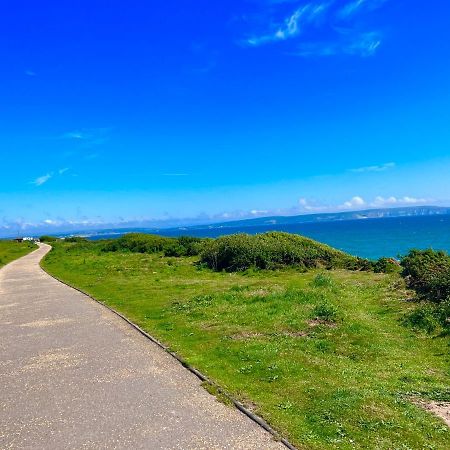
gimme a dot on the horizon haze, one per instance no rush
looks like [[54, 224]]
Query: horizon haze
[[195, 225]]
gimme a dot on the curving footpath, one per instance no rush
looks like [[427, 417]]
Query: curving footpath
[[73, 375]]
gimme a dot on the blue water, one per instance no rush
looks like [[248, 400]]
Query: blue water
[[368, 238]]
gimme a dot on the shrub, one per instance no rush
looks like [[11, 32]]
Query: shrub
[[357, 263], [428, 273], [324, 311], [138, 243], [322, 280], [191, 246], [75, 239], [386, 265], [273, 250], [430, 317], [174, 250], [443, 314], [46, 238], [150, 243]]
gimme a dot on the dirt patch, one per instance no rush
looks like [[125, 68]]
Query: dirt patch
[[245, 335], [208, 326], [258, 293], [317, 322], [295, 333], [251, 406], [263, 292], [440, 409], [249, 335]]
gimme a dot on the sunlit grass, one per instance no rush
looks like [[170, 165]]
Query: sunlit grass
[[11, 250], [324, 357]]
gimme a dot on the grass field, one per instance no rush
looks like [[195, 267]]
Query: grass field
[[323, 356], [11, 250]]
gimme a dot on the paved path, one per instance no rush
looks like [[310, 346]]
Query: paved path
[[75, 376]]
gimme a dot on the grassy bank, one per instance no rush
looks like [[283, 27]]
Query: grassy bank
[[11, 250], [323, 356]]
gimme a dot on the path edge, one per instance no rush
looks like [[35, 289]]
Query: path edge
[[238, 405]]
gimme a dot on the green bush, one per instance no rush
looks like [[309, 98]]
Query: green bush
[[150, 243], [75, 239], [357, 263], [174, 249], [46, 238], [430, 317], [322, 280], [386, 265], [428, 273], [325, 311], [274, 250], [137, 243], [192, 245], [443, 314]]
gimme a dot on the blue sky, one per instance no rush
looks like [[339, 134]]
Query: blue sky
[[118, 113]]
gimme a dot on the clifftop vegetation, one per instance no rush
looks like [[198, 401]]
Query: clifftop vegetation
[[273, 251], [330, 358]]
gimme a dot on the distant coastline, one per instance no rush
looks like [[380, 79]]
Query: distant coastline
[[384, 233], [368, 233], [379, 213]]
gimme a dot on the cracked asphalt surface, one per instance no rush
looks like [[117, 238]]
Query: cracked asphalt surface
[[73, 375]]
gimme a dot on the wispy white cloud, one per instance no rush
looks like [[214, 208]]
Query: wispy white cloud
[[293, 24], [76, 135], [87, 138], [377, 168], [39, 181], [364, 44], [352, 8], [30, 73], [304, 15], [352, 44], [305, 27], [358, 6]]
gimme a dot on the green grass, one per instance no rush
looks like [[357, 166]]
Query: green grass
[[11, 250], [324, 357]]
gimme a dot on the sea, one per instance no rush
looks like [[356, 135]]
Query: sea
[[367, 238]]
